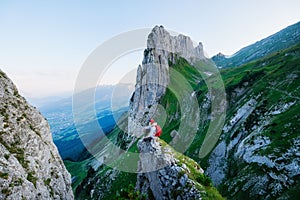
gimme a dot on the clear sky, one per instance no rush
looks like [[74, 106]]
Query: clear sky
[[44, 43]]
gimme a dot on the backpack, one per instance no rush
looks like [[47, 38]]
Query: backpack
[[158, 131]]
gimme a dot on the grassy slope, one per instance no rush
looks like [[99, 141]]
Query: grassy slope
[[266, 77], [269, 78], [77, 170]]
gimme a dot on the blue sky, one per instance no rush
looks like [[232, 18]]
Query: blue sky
[[44, 43]]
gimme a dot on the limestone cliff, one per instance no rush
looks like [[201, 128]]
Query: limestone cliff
[[153, 75], [257, 156], [30, 166]]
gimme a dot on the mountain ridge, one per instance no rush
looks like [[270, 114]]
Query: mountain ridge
[[283, 39]]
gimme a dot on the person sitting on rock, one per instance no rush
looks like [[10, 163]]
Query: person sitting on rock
[[152, 130]]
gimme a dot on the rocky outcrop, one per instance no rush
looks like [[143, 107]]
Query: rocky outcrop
[[153, 75], [165, 176], [244, 153], [30, 166], [257, 155]]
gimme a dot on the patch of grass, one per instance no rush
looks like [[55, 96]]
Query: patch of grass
[[278, 127], [2, 74], [204, 180], [195, 175], [78, 170], [17, 182], [212, 194], [4, 175], [20, 155], [32, 178], [123, 180], [130, 193], [47, 181], [6, 191], [6, 156]]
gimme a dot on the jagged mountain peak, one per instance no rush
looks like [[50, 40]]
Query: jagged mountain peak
[[161, 39], [153, 75]]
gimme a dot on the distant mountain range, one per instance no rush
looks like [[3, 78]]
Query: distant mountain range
[[274, 43]]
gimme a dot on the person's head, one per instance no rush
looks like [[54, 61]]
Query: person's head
[[151, 121]]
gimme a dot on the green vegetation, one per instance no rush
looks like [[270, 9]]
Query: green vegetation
[[47, 181], [6, 156], [20, 155], [78, 170], [16, 182], [125, 181], [279, 41], [130, 193], [203, 183], [32, 178], [4, 175], [284, 125], [6, 191], [272, 80], [2, 74]]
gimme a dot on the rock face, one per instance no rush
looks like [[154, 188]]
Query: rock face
[[153, 75], [163, 177], [264, 175], [257, 156], [30, 166]]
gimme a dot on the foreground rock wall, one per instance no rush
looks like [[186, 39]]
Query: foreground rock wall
[[30, 166], [165, 176]]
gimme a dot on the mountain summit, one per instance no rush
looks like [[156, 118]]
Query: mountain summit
[[153, 75]]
